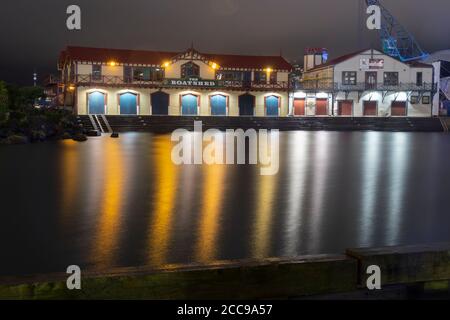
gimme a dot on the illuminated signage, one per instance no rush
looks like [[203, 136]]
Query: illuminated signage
[[371, 64], [191, 82]]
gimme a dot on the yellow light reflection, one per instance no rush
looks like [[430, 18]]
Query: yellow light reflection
[[165, 196], [69, 177], [111, 204], [212, 205], [264, 215]]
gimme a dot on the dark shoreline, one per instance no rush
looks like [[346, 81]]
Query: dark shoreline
[[425, 268]]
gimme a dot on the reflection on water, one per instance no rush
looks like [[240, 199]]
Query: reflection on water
[[121, 202], [165, 195], [209, 223], [69, 178], [113, 170]]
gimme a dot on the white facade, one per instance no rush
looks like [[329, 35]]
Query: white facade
[[368, 83]]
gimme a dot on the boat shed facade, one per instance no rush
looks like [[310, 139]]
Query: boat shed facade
[[190, 83]]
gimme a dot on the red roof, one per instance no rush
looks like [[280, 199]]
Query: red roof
[[158, 57], [333, 62], [338, 60]]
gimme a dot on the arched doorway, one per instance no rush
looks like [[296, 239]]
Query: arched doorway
[[160, 103], [272, 106], [218, 105], [189, 105], [246, 105], [128, 103], [96, 102]]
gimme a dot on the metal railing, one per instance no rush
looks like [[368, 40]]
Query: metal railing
[[338, 86], [89, 79]]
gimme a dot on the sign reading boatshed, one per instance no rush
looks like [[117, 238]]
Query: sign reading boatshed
[[191, 82]]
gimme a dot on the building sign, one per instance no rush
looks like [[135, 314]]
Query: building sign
[[371, 64], [191, 82]]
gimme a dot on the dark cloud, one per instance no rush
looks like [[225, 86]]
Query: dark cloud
[[33, 32]]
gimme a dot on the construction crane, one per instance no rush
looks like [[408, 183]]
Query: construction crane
[[396, 41]]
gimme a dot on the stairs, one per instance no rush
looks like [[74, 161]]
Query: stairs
[[94, 123], [166, 124]]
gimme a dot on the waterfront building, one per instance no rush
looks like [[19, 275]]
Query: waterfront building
[[131, 82], [365, 83]]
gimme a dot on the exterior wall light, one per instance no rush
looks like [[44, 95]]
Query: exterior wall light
[[112, 63]]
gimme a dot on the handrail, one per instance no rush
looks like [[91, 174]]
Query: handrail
[[89, 79]]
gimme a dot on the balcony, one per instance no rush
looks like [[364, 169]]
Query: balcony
[[117, 81], [321, 85]]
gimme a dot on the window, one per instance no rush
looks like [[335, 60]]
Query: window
[[190, 69], [391, 78], [419, 79], [147, 74], [414, 99], [96, 72], [260, 77], [230, 75], [349, 78], [426, 100], [273, 78]]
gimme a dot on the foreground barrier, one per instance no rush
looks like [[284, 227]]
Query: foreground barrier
[[270, 278]]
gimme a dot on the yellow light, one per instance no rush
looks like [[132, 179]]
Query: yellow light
[[166, 64], [112, 63], [214, 66], [71, 88], [268, 70]]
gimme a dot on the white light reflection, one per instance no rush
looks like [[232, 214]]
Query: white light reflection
[[398, 168], [370, 177], [322, 147], [299, 145]]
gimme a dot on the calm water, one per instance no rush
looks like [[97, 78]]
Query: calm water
[[112, 203]]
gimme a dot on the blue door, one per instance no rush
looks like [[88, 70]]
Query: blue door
[[246, 105], [160, 103], [128, 104], [272, 106], [96, 103], [189, 104], [218, 105]]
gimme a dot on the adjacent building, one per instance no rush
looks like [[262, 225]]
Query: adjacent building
[[365, 83], [131, 82]]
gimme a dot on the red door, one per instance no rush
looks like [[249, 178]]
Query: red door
[[398, 109], [370, 108], [299, 107], [345, 107], [321, 107]]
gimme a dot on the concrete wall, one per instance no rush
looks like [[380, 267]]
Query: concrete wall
[[426, 266]]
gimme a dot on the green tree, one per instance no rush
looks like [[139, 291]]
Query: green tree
[[3, 101]]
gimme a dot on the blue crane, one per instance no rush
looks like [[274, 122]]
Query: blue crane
[[396, 41]]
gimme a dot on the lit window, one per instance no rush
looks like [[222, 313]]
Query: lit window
[[190, 69], [349, 78], [96, 72], [260, 77], [391, 78]]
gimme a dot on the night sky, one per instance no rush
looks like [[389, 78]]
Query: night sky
[[33, 32]]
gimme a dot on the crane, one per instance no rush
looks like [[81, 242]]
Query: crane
[[396, 41]]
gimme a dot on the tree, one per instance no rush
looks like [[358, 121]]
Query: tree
[[3, 100]]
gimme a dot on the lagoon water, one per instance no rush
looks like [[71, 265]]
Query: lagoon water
[[121, 202]]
